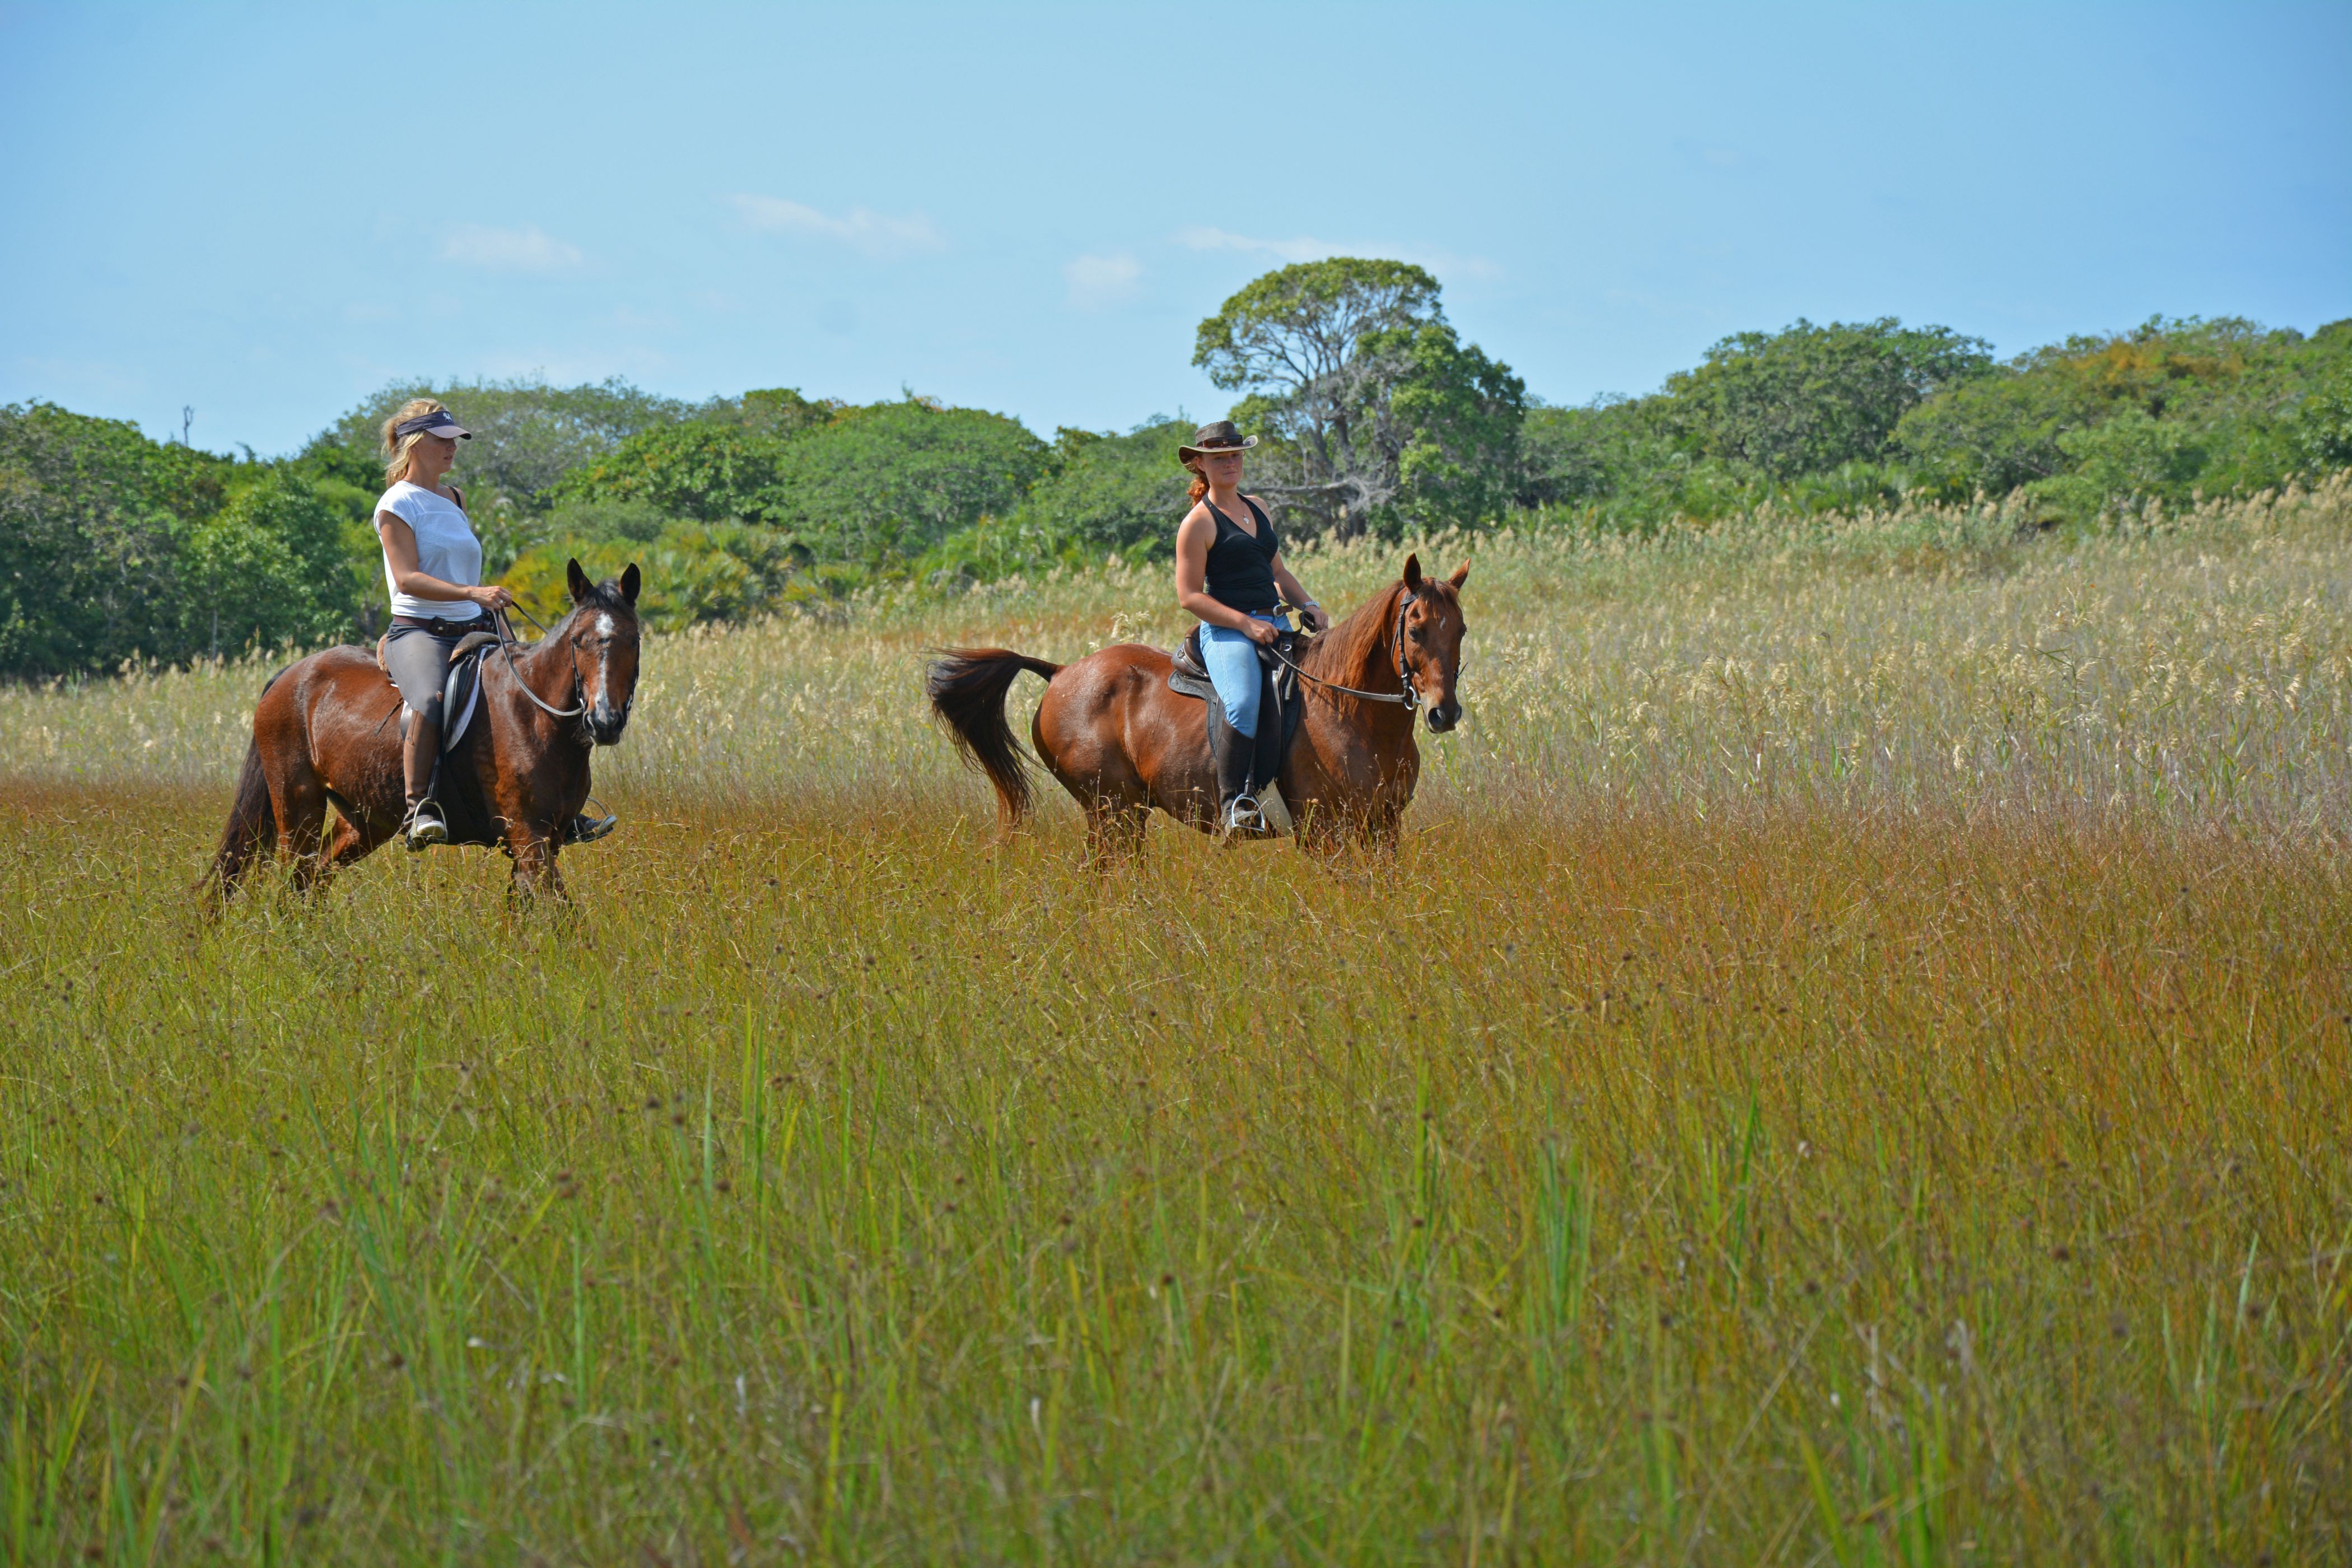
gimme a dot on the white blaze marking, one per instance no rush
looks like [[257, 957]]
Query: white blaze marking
[[605, 671]]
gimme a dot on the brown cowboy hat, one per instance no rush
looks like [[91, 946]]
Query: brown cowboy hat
[[1219, 437]]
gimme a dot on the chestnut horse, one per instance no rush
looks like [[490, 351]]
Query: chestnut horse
[[1121, 742], [327, 732]]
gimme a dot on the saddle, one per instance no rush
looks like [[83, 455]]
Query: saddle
[[1277, 689], [461, 692]]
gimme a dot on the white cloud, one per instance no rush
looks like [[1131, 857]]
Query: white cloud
[[863, 230], [526, 249], [1305, 247], [1098, 281]]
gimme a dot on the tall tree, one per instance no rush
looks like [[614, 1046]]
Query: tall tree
[[1113, 492], [884, 483], [268, 569], [1806, 398], [1373, 402], [709, 471], [527, 435], [91, 515]]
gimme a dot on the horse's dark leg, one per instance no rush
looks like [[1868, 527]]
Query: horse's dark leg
[[1318, 831], [1382, 826], [534, 864], [1114, 829], [352, 841], [299, 800]]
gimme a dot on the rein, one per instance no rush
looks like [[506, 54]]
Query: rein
[[1409, 698], [507, 645]]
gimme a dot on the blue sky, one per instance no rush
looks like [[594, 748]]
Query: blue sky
[[266, 212]]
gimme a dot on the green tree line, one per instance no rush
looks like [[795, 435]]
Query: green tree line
[[1376, 418]]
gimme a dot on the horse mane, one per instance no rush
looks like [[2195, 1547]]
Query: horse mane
[[1346, 652], [1353, 650]]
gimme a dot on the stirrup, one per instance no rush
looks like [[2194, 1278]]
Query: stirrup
[[425, 827], [586, 829], [1243, 816]]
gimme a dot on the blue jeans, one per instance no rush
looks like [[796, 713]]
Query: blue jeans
[[1234, 669]]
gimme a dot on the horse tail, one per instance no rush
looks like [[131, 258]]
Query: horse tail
[[967, 687], [252, 820], [251, 825]]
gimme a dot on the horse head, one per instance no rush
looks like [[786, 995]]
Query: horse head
[[1429, 630], [601, 632]]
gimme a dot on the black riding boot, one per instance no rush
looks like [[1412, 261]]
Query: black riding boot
[[420, 768], [586, 829], [1236, 759]]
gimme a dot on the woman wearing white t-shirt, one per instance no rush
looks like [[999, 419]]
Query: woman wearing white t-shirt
[[433, 566]]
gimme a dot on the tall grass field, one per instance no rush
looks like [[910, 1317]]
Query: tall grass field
[[1852, 1064]]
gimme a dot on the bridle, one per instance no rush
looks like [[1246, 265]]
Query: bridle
[[1409, 699], [508, 642]]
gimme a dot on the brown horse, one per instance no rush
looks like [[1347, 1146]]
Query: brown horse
[[1121, 742], [327, 732]]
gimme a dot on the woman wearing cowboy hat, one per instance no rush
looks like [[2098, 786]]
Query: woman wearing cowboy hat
[[1230, 574]]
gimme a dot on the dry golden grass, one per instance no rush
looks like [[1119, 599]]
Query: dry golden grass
[[1885, 1101]]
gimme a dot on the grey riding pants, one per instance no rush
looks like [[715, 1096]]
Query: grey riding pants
[[418, 661]]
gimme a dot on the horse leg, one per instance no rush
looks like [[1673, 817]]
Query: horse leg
[[1320, 832], [1381, 828], [535, 871], [299, 800], [1114, 829], [354, 841], [1077, 734]]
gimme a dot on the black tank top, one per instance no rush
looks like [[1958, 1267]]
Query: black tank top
[[1241, 568]]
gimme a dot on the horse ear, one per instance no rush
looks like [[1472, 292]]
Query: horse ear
[[629, 581], [578, 580], [1412, 573], [1461, 574]]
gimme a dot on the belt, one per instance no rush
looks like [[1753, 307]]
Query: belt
[[439, 626]]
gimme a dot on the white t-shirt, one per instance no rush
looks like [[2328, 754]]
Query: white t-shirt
[[445, 548]]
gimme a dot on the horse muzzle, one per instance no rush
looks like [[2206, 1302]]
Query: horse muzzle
[[605, 722], [1444, 716]]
